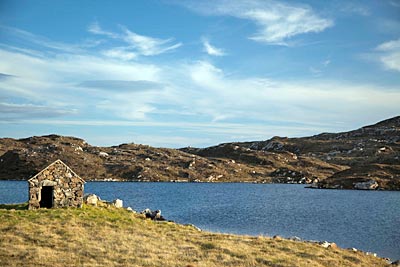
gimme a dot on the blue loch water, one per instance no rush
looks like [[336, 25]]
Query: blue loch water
[[367, 220]]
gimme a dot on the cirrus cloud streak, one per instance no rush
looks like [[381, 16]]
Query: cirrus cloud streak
[[276, 21]]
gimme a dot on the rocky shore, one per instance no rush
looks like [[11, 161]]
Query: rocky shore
[[110, 236], [155, 215]]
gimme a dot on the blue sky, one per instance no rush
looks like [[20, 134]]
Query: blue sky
[[198, 73]]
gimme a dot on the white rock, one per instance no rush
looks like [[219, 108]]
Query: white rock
[[117, 203], [130, 209], [367, 185], [91, 199], [103, 154], [194, 226], [371, 254], [145, 211], [325, 244]]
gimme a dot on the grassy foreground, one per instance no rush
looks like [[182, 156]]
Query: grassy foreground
[[115, 237]]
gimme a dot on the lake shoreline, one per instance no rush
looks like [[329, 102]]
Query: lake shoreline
[[306, 186], [351, 218], [207, 242]]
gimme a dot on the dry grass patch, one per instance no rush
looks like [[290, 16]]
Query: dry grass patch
[[114, 237]]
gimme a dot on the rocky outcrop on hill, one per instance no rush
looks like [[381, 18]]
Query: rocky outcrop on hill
[[23, 158], [270, 166], [20, 159], [367, 158]]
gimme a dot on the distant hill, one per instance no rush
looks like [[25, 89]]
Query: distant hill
[[364, 158], [368, 157]]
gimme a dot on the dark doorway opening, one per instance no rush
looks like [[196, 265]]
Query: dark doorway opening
[[46, 197]]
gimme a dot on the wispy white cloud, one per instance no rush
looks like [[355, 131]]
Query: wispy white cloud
[[45, 42], [194, 96], [318, 70], [212, 50], [390, 54], [277, 21], [355, 8], [117, 85], [136, 44], [54, 81], [12, 111], [122, 53], [149, 46], [326, 63], [96, 29], [389, 46], [196, 89], [304, 101]]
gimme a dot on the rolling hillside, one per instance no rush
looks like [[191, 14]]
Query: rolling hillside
[[366, 158]]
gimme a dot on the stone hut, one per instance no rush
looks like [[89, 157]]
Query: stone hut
[[56, 186]]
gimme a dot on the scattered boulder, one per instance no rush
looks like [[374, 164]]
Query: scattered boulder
[[314, 184], [154, 215], [327, 244], [333, 245], [295, 238], [396, 263], [118, 203], [91, 199], [277, 237], [103, 154], [371, 254], [130, 210], [366, 185]]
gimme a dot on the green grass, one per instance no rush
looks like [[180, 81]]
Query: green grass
[[21, 206], [106, 236]]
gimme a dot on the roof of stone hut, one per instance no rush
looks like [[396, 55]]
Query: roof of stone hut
[[55, 162]]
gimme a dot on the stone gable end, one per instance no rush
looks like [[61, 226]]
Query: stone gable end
[[56, 186]]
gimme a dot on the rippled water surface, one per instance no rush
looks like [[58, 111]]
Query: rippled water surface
[[367, 220]]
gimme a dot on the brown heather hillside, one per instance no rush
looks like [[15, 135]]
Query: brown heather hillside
[[23, 158], [369, 154], [365, 158]]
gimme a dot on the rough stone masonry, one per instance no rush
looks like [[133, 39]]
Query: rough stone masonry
[[56, 186]]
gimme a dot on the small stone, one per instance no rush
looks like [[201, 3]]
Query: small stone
[[91, 199], [367, 185], [324, 244], [130, 210], [295, 238], [396, 263], [333, 245], [103, 154], [277, 237], [118, 203], [371, 254]]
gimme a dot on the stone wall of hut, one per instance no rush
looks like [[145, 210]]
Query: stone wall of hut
[[67, 186]]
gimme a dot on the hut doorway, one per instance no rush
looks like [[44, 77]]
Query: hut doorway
[[46, 197]]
